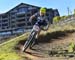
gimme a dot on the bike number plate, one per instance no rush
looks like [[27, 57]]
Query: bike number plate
[[36, 28]]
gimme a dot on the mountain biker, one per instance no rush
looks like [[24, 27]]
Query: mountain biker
[[41, 19]]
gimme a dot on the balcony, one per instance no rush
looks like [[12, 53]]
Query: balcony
[[13, 17], [22, 10], [28, 14], [28, 27], [21, 25], [0, 18], [20, 16], [28, 24], [0, 21], [5, 18], [32, 8], [13, 11], [13, 26], [3, 21], [13, 21], [20, 19], [5, 27], [12, 14], [0, 25], [21, 13], [4, 24]]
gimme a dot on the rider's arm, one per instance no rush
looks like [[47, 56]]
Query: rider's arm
[[33, 16]]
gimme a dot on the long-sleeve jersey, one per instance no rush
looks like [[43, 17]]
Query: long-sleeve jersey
[[41, 20]]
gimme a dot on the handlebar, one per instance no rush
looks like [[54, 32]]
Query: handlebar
[[45, 28]]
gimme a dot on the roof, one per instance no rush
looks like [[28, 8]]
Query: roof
[[22, 4], [18, 6]]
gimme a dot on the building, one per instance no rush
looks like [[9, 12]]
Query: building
[[16, 19]]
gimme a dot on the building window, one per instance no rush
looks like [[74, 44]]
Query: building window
[[28, 15], [4, 16], [12, 21], [19, 16], [21, 25], [3, 27], [5, 24], [23, 9], [21, 20], [12, 17], [13, 26], [29, 24], [4, 20], [0, 25], [0, 21], [0, 17], [13, 13]]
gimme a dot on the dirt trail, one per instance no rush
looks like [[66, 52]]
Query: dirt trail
[[52, 41]]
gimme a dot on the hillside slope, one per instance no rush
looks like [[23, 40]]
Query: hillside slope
[[56, 37], [7, 49]]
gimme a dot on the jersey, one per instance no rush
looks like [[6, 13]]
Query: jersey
[[41, 20]]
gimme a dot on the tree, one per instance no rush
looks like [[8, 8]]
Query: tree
[[74, 11]]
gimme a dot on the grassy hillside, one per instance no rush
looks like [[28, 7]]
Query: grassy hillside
[[7, 49]]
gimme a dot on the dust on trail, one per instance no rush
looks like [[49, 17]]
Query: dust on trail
[[47, 43]]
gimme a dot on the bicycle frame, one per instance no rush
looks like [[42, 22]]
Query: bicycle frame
[[30, 40]]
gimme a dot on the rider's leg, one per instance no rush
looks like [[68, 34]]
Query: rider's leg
[[36, 38], [38, 33]]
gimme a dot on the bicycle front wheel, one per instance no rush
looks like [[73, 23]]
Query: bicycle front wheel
[[29, 41]]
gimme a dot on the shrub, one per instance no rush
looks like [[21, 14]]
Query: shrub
[[74, 12], [64, 17], [56, 19]]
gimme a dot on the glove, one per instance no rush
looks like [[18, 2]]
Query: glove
[[46, 28]]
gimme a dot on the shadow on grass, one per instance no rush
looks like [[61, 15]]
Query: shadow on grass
[[50, 37], [57, 35]]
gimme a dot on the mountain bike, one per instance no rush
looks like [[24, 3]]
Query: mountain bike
[[31, 39]]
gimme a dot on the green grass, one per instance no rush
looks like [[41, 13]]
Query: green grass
[[7, 50], [9, 56]]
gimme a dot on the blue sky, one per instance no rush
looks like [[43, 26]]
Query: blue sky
[[61, 5]]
